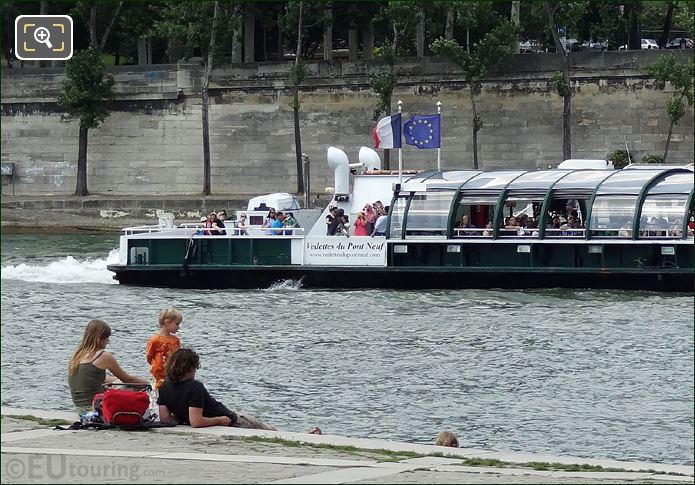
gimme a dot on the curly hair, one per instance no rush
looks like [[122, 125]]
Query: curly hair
[[181, 363]]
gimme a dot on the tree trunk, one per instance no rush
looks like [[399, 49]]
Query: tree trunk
[[236, 44], [420, 32], [297, 132], [567, 121], [368, 40], [205, 105], [93, 24], [298, 143], [394, 27], [667, 25], [108, 29], [566, 97], [352, 44], [327, 32], [450, 20], [81, 187], [475, 128], [634, 41], [249, 34], [668, 140]]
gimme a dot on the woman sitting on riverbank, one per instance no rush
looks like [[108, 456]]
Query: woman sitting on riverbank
[[189, 402], [88, 365]]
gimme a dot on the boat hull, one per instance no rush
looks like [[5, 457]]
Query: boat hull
[[211, 277]]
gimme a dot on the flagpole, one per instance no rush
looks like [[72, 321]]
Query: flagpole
[[400, 150], [439, 148]]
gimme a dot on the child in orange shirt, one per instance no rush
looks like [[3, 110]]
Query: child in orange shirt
[[164, 343]]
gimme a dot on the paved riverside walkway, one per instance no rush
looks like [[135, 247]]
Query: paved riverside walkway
[[33, 452]]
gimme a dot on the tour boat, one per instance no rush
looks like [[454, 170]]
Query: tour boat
[[564, 227]]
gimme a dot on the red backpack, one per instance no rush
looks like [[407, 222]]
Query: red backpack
[[119, 407]]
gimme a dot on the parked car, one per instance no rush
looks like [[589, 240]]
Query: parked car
[[680, 43], [594, 46], [530, 47], [646, 44], [649, 44]]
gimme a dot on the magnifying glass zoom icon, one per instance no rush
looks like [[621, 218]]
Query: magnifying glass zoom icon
[[43, 36]]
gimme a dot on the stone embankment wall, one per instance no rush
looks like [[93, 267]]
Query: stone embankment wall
[[151, 143]]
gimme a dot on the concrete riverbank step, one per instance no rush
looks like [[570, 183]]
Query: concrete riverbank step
[[184, 454]]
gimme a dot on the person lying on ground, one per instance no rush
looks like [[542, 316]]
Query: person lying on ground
[[184, 399]]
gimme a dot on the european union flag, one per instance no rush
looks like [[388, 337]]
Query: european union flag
[[423, 131]]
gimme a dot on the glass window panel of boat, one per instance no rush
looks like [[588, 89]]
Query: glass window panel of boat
[[539, 180], [662, 216], [459, 175], [611, 216], [582, 180], [480, 211], [526, 211], [677, 183], [428, 214], [491, 180], [627, 182], [396, 213], [422, 176]]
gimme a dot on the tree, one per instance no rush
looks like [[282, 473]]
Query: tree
[[297, 16], [494, 47], [86, 92], [668, 70], [383, 83], [298, 73], [195, 25], [569, 14]]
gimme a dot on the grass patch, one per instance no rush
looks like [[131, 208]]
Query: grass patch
[[41, 421], [385, 455], [396, 456]]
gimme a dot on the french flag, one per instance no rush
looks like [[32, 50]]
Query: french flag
[[387, 132]]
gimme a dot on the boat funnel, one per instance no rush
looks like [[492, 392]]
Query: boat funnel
[[370, 158], [338, 161]]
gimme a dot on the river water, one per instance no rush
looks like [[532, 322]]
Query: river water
[[605, 374]]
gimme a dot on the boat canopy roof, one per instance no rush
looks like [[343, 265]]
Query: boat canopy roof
[[599, 202]]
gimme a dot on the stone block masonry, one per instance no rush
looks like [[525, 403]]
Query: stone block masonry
[[152, 141]]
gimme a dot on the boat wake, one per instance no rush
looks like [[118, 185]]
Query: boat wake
[[68, 270], [285, 285]]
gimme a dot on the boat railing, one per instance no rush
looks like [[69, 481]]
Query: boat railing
[[198, 229], [472, 232], [571, 232]]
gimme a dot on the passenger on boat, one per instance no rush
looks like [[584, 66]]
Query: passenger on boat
[[268, 222], [221, 217], [626, 229], [88, 365], [512, 227], [466, 224], [240, 225], [335, 228], [379, 208], [211, 225], [488, 229], [278, 223], [380, 224], [361, 225], [344, 227], [330, 218], [370, 216], [184, 400], [291, 222]]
